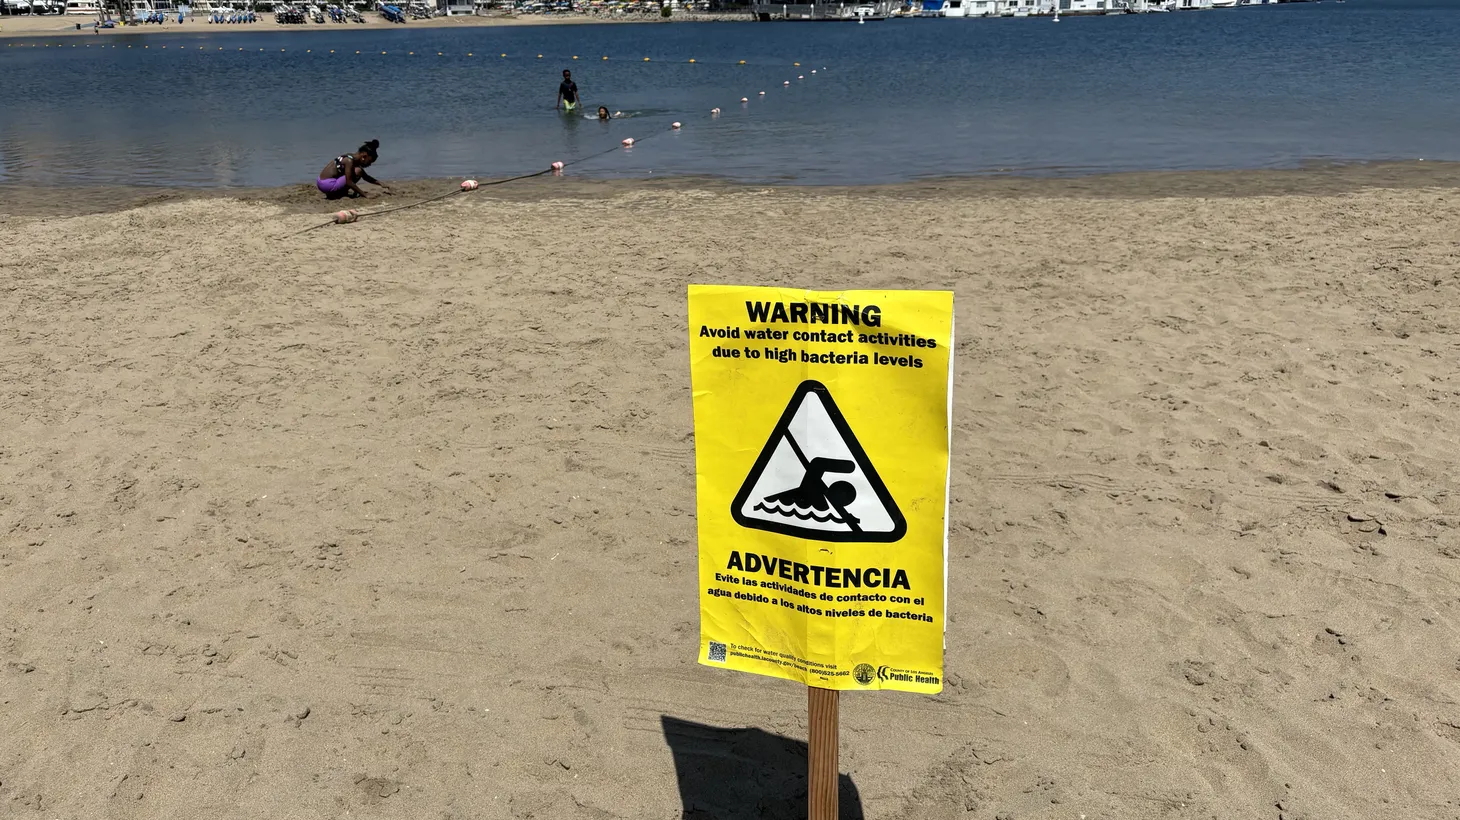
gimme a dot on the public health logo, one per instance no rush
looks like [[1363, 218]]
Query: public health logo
[[864, 673]]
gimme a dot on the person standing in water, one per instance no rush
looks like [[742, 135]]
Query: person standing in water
[[341, 174], [567, 92]]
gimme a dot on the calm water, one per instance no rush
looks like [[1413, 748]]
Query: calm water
[[1255, 87]]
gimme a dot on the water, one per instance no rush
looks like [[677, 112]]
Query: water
[[1255, 87]]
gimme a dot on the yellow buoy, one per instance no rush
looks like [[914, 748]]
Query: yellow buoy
[[691, 59], [795, 64], [410, 53], [357, 52], [469, 54], [438, 54], [742, 62], [539, 56], [646, 59], [504, 55], [308, 51], [332, 51], [605, 56]]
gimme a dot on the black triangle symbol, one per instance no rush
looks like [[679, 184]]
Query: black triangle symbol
[[813, 510]]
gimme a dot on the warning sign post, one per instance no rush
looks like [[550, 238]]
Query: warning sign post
[[822, 425]]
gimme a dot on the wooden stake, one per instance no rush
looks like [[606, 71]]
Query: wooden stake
[[822, 704]]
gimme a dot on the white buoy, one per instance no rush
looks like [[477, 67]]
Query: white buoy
[[468, 185], [745, 99], [628, 141], [557, 166], [346, 217], [675, 126], [762, 93], [714, 111]]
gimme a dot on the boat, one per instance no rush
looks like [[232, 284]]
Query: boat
[[91, 8]]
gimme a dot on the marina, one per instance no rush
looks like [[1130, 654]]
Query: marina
[[1055, 8]]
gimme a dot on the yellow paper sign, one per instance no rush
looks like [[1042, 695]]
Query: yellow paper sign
[[821, 460]]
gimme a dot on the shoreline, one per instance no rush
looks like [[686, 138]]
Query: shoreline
[[29, 201], [18, 28]]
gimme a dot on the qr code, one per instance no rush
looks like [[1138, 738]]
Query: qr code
[[717, 652]]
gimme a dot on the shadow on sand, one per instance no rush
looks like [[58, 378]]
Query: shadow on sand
[[728, 774]]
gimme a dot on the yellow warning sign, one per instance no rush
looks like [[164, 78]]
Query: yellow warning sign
[[821, 461]]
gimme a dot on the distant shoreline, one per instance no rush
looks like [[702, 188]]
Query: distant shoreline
[[14, 28]]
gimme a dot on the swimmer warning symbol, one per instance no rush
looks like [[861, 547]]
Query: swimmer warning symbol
[[813, 479]]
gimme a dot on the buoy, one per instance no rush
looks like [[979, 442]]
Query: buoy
[[557, 166], [714, 111], [468, 185], [346, 217], [538, 56], [646, 59], [788, 82], [691, 59], [675, 126], [801, 77], [762, 93], [628, 141], [813, 71], [742, 62], [745, 99], [798, 65], [605, 56]]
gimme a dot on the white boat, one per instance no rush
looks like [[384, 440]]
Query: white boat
[[91, 8], [1224, 4]]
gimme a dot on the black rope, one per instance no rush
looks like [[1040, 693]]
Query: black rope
[[458, 191]]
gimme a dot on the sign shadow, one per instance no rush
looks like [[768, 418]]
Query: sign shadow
[[729, 774]]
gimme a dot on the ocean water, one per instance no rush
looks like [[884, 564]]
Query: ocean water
[[1255, 87]]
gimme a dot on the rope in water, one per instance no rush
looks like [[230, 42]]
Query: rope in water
[[557, 166], [657, 61], [346, 217]]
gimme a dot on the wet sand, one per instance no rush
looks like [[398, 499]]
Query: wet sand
[[395, 519]]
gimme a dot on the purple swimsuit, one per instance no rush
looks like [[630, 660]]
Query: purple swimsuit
[[335, 185]]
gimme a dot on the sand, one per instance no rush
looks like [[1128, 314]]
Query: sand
[[52, 25], [395, 519]]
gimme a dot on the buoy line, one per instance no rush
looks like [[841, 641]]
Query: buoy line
[[346, 217]]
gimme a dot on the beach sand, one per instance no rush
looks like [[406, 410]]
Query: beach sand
[[395, 519], [65, 25]]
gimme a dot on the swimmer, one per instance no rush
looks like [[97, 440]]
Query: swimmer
[[567, 93], [603, 112], [340, 175]]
